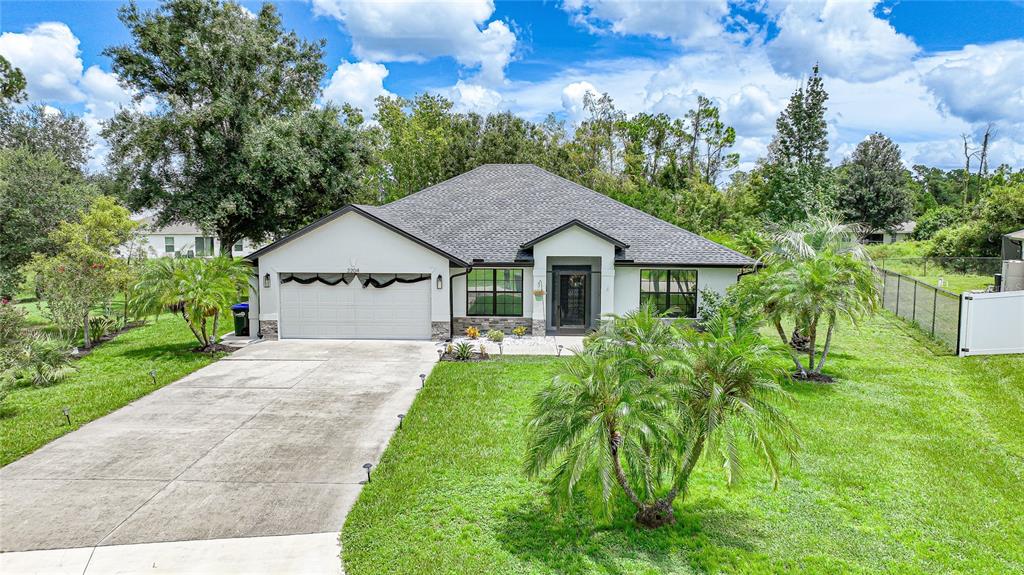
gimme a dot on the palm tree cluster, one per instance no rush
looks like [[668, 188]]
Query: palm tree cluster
[[815, 275], [197, 289], [646, 399]]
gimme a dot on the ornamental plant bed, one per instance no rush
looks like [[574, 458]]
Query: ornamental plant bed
[[107, 337], [475, 357]]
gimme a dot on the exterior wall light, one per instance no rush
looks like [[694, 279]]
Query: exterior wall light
[[266, 280], [440, 281]]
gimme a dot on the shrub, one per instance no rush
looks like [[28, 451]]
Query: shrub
[[472, 332], [103, 325], [710, 302], [519, 331], [936, 219], [496, 335], [13, 323], [40, 361], [463, 351]]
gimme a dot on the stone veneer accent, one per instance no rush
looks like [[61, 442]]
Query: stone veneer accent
[[486, 324], [268, 329], [440, 330], [540, 327]]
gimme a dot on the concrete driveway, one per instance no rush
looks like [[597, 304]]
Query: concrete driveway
[[247, 465]]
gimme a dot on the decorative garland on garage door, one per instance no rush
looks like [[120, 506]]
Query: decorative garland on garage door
[[370, 280]]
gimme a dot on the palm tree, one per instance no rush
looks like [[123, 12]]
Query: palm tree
[[197, 289], [810, 239], [601, 416], [727, 394], [607, 414], [828, 287]]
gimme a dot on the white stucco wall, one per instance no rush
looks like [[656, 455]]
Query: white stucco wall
[[573, 242], [627, 284], [153, 244], [353, 242]]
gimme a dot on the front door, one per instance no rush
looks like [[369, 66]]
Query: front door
[[571, 301]]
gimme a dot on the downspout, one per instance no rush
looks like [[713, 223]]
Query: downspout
[[451, 302]]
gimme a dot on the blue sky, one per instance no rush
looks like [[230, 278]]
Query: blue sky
[[921, 72]]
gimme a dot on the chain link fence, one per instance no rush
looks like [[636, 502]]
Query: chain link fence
[[939, 266], [934, 310]]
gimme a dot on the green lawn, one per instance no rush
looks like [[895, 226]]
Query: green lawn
[[116, 373], [930, 274], [913, 462]]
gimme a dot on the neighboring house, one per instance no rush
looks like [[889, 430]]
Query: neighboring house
[[900, 233], [184, 240], [497, 247]]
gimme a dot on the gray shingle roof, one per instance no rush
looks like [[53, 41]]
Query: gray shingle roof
[[488, 213]]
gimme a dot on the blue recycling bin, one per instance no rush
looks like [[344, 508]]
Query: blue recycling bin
[[240, 311]]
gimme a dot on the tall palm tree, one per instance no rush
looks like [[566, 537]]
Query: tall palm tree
[[829, 287], [807, 240], [646, 432], [200, 290]]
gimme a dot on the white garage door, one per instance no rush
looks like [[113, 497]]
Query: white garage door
[[398, 311]]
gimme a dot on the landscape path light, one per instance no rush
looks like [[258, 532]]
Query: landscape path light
[[423, 380], [367, 467], [559, 350], [67, 414], [401, 418]]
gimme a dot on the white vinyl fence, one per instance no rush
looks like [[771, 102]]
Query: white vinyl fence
[[991, 323]]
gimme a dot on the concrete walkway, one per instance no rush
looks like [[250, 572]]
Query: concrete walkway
[[248, 465]]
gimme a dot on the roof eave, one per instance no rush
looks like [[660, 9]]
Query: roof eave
[[253, 257]]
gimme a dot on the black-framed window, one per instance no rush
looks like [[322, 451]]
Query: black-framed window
[[671, 290], [494, 291]]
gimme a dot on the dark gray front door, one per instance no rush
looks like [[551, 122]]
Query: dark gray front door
[[571, 301]]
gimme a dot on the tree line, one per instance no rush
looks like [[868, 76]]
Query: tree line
[[235, 140]]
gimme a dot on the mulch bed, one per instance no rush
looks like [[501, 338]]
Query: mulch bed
[[215, 348], [816, 377], [475, 357], [107, 337]]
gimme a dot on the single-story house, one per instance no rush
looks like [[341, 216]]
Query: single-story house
[[899, 233], [184, 239], [498, 247]]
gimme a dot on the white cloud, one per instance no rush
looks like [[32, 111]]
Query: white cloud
[[980, 84], [684, 22], [844, 36], [475, 98], [358, 84], [752, 110], [48, 56], [404, 31], [572, 99]]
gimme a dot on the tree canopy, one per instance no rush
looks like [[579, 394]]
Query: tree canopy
[[230, 88]]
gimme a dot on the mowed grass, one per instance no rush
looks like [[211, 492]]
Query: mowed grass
[[913, 462], [951, 281], [114, 374]]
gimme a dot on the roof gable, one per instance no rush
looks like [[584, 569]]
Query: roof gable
[[362, 211], [577, 224]]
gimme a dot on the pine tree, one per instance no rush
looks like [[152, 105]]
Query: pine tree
[[798, 175]]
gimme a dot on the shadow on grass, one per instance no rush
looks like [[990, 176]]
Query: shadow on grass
[[166, 349], [573, 541]]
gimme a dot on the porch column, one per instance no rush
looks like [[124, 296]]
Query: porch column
[[540, 282], [607, 285]]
